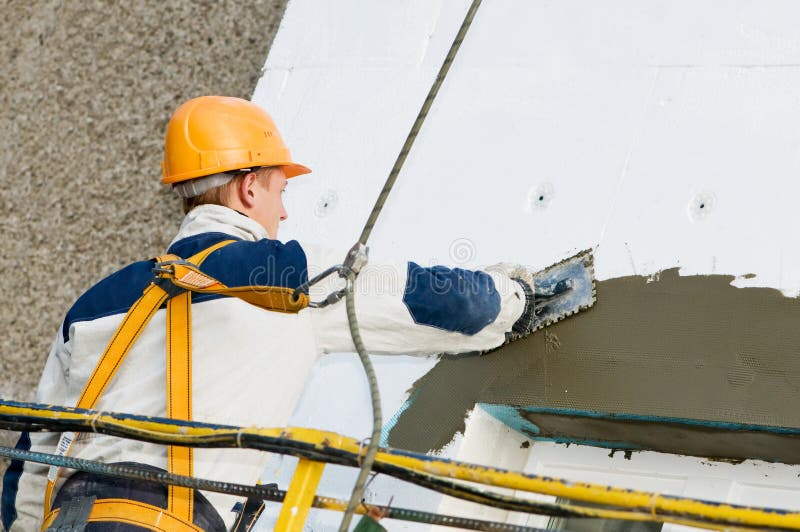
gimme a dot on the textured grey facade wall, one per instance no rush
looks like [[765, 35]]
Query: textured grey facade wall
[[86, 90]]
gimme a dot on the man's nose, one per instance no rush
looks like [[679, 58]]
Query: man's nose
[[284, 214]]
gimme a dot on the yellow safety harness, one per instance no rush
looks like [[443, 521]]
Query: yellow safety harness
[[174, 283]]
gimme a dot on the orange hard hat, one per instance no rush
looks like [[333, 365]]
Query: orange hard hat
[[215, 134]]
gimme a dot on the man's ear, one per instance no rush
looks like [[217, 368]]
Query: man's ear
[[247, 190]]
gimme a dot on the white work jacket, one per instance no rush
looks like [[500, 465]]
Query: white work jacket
[[250, 365]]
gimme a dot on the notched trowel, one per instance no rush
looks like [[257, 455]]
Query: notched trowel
[[563, 289]]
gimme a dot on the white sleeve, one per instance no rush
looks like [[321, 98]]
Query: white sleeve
[[31, 484], [418, 315]]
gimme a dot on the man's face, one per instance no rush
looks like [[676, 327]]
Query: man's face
[[268, 209]]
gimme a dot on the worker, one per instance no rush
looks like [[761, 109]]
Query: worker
[[227, 162]]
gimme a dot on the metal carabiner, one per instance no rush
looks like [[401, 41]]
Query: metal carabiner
[[355, 260], [303, 288]]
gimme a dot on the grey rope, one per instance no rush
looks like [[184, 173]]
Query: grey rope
[[265, 493], [377, 418]]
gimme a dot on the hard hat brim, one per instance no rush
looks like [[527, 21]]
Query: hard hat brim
[[294, 170]]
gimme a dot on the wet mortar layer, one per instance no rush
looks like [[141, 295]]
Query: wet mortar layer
[[691, 347], [85, 94]]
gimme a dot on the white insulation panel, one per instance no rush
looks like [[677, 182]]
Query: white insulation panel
[[660, 133]]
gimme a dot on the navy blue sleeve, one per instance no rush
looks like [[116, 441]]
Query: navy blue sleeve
[[241, 263], [454, 299]]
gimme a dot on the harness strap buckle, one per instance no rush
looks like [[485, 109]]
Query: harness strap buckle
[[167, 267], [166, 284]]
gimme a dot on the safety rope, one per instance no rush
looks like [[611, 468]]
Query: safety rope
[[377, 418], [242, 490]]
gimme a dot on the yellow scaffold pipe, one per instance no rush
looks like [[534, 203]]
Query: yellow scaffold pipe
[[331, 447]]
